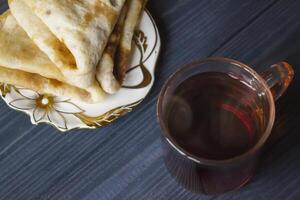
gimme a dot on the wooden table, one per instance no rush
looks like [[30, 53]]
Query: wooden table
[[124, 160]]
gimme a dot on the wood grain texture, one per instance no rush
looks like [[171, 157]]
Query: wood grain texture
[[124, 160]]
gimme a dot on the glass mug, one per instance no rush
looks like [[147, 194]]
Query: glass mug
[[216, 115]]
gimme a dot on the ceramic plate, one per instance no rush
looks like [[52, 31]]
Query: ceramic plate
[[67, 114]]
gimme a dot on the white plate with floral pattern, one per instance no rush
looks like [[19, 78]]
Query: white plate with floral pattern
[[67, 114]]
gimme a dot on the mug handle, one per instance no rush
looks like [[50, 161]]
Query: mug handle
[[278, 77]]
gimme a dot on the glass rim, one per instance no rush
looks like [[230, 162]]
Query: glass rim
[[211, 162]]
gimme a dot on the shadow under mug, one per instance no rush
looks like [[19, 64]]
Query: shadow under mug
[[214, 176]]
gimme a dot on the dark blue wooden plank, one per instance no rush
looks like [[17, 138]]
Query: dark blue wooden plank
[[3, 5], [123, 160]]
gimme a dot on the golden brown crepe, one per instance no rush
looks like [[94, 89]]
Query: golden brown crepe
[[124, 50], [23, 64], [117, 53], [54, 46], [42, 36], [72, 33], [105, 68], [43, 85], [19, 52]]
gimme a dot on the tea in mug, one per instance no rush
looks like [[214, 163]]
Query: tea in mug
[[216, 116]]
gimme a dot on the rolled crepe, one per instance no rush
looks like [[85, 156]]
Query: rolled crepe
[[105, 68], [118, 50], [72, 33], [23, 64], [124, 50]]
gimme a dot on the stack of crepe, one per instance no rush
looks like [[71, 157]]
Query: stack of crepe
[[72, 48]]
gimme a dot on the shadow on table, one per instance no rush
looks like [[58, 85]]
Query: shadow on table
[[288, 106], [285, 135], [280, 161]]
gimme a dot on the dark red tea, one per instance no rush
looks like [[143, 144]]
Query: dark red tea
[[215, 116]]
